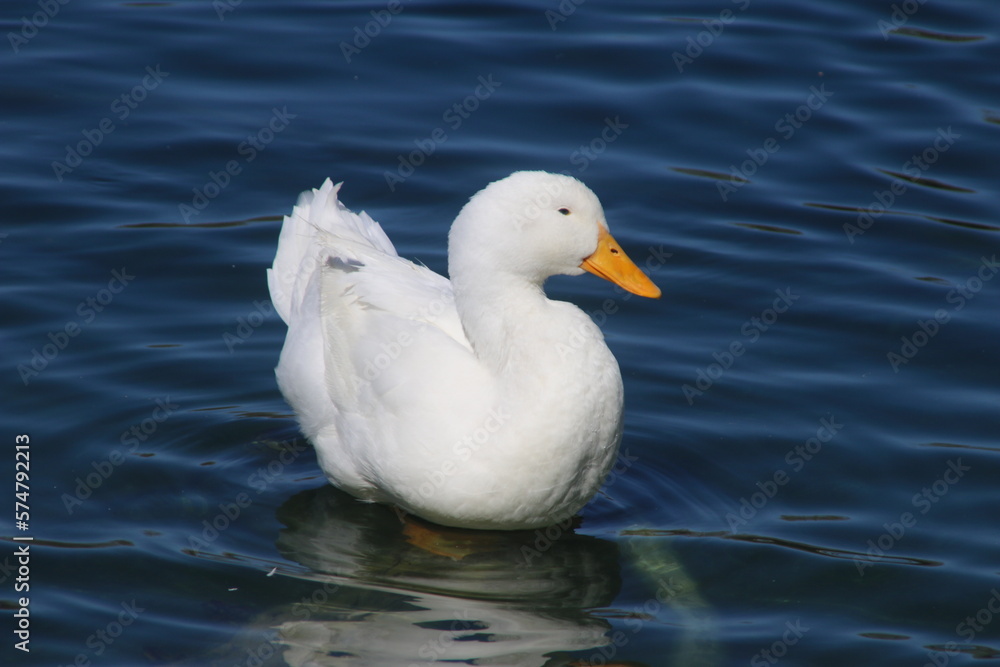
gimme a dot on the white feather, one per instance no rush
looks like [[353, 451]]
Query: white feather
[[500, 411]]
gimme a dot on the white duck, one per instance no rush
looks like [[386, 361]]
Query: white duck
[[474, 402]]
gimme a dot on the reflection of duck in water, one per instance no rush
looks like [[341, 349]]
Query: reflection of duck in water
[[503, 598], [374, 591]]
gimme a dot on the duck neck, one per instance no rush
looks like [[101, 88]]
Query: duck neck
[[503, 317]]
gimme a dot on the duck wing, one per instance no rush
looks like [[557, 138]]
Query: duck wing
[[387, 332]]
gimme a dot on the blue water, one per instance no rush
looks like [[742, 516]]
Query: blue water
[[810, 458]]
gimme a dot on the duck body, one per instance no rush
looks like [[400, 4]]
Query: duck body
[[474, 402]]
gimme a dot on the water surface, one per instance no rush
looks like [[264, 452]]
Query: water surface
[[809, 463]]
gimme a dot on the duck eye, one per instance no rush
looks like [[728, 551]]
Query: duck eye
[[564, 211]]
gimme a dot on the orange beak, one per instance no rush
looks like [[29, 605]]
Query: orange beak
[[610, 262]]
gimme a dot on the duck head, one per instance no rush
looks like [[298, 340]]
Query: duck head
[[533, 225]]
